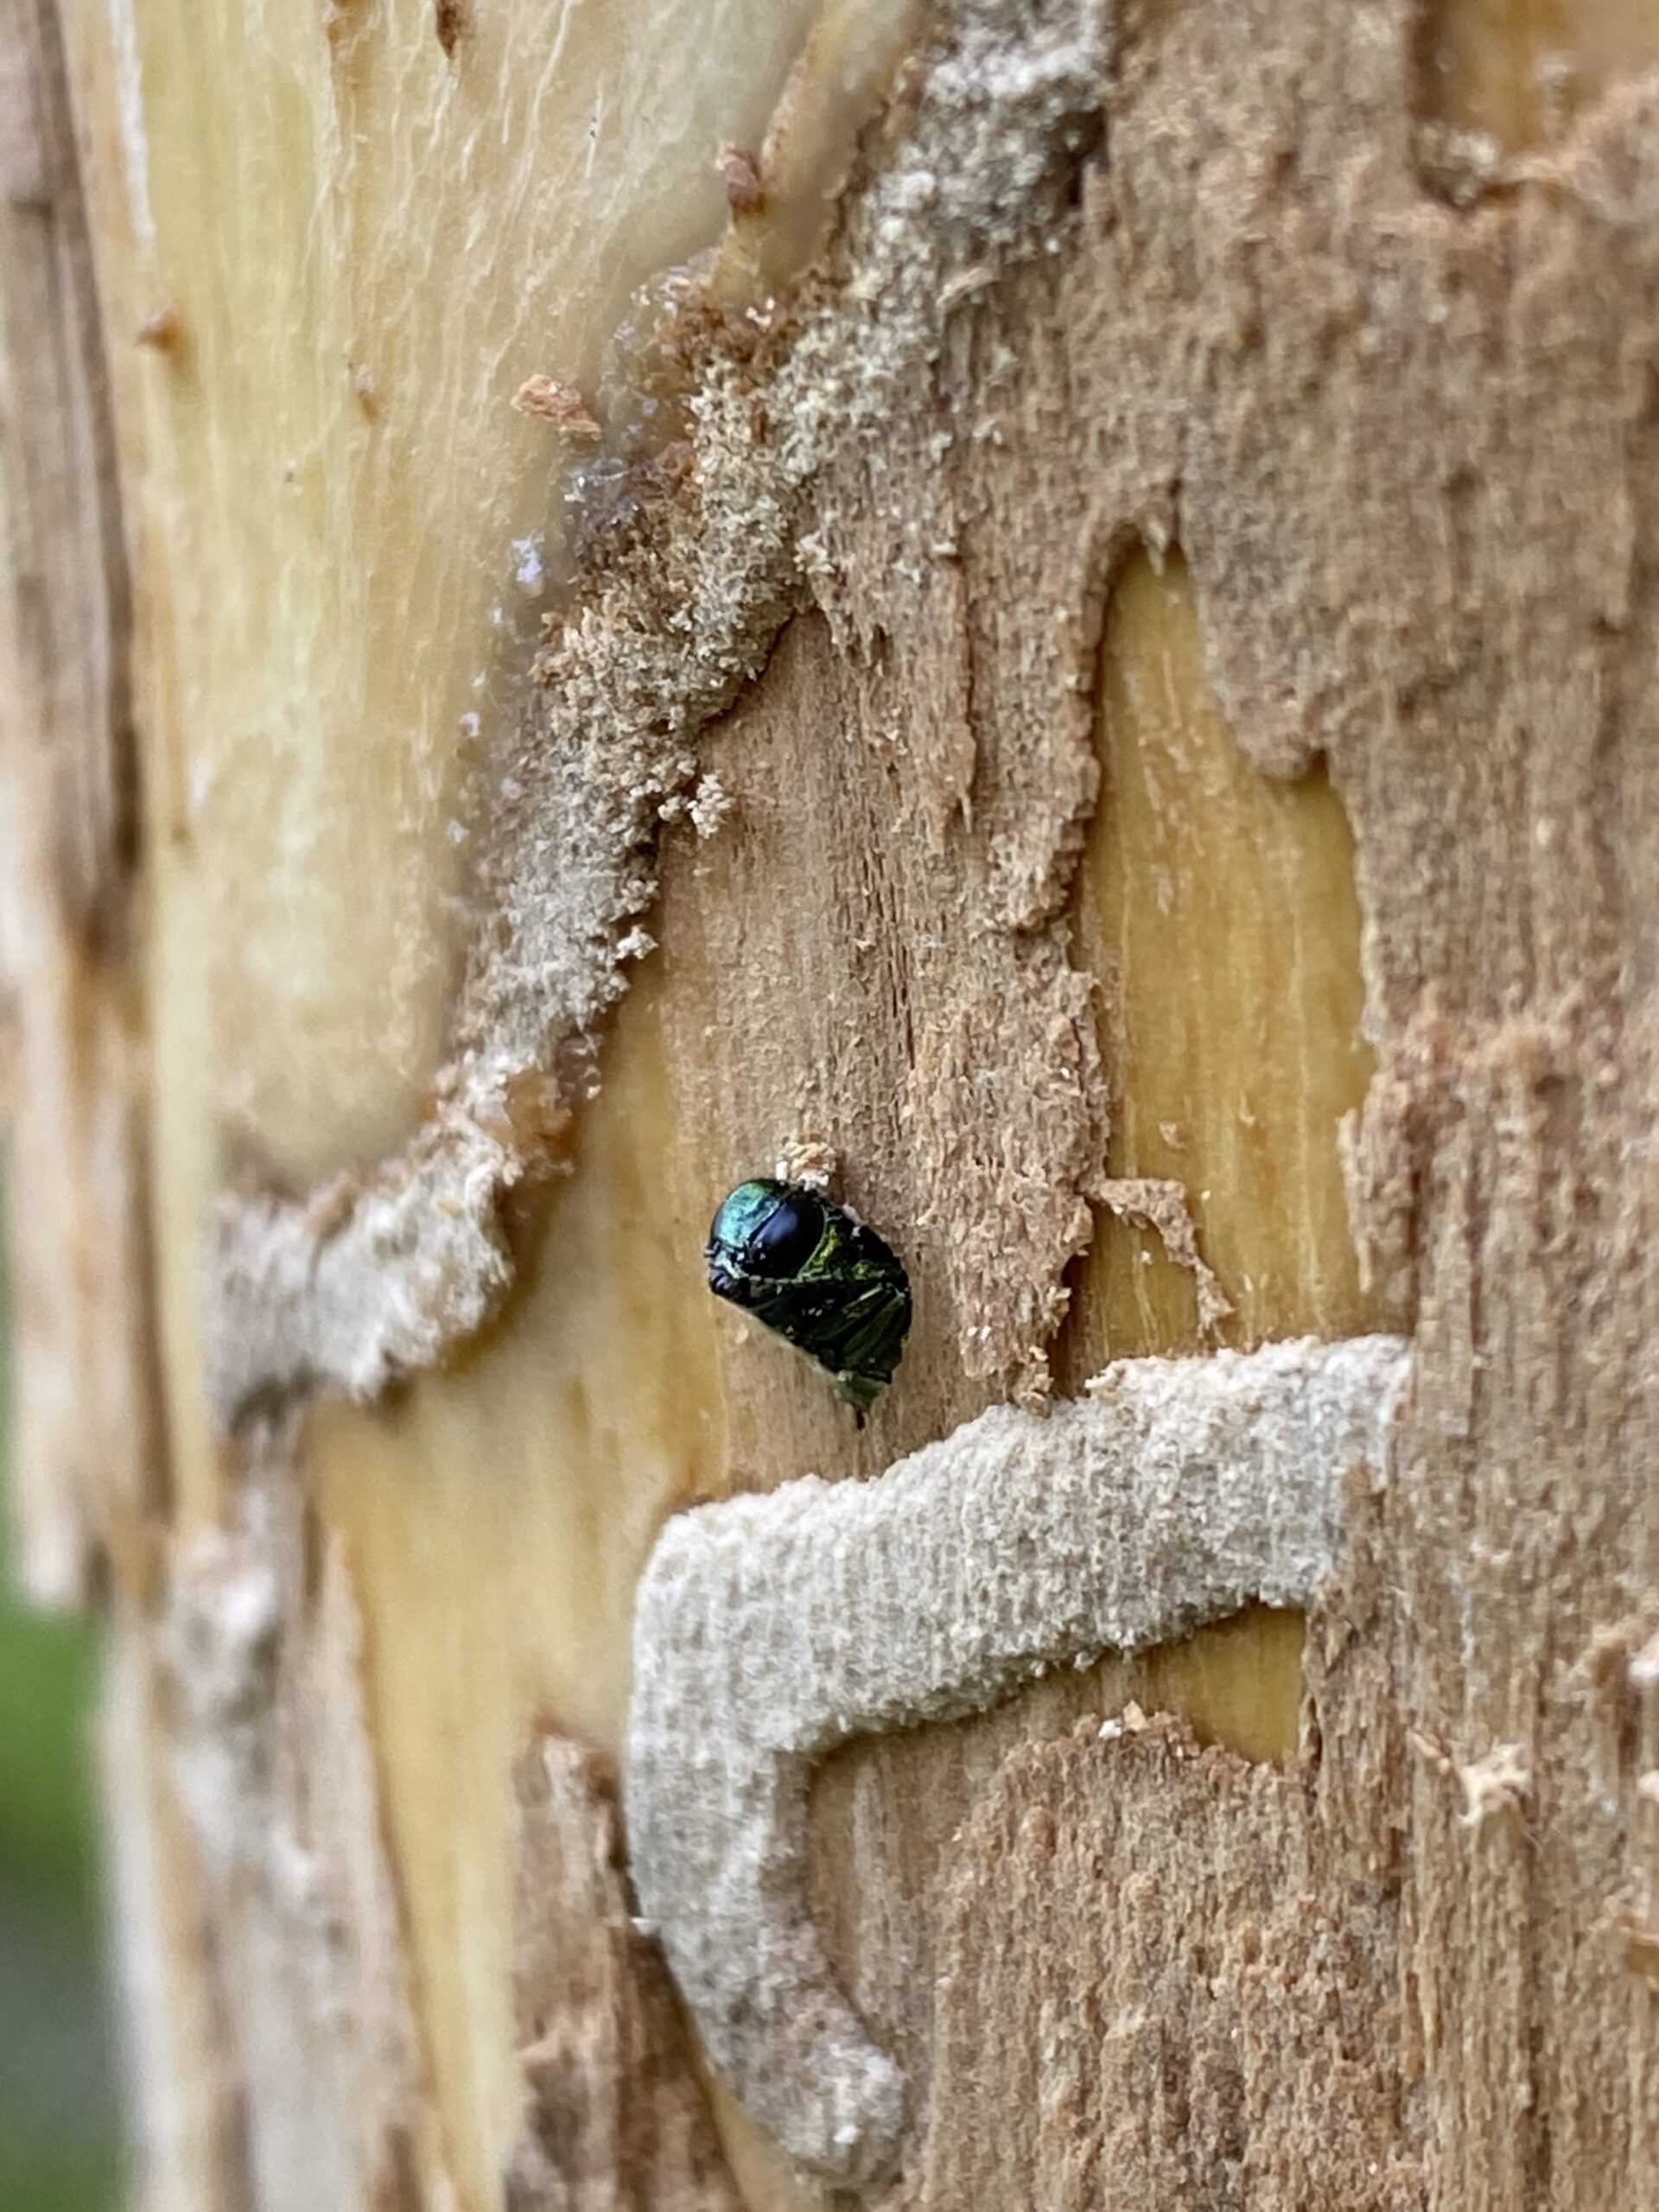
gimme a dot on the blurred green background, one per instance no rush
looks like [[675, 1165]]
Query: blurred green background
[[58, 2117]]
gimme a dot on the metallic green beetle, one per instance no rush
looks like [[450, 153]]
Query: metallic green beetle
[[834, 1288]]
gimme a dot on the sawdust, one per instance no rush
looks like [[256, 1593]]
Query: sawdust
[[769, 1630]]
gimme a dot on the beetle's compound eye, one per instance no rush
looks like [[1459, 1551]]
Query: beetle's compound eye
[[788, 1236]]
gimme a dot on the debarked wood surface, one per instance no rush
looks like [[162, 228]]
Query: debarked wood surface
[[1123, 708]]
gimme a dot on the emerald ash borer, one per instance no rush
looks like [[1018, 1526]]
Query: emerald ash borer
[[833, 1287]]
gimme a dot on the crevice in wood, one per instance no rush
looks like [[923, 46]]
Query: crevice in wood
[[617, 2120]]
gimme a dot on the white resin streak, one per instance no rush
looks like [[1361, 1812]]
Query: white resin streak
[[770, 1629]]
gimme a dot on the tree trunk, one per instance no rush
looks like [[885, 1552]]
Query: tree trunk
[[1039, 614]]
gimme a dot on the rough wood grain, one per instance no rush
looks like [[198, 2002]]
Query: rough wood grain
[[1239, 2047], [694, 556], [262, 1654], [769, 1632], [1389, 638], [618, 2120], [1388, 388], [85, 1446]]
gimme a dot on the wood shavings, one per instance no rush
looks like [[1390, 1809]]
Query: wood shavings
[[1645, 1664], [1500, 1780], [613, 2103], [263, 1647], [1152, 1202], [739, 171], [709, 806], [768, 1630], [677, 614], [809, 1160], [162, 329], [560, 404], [638, 944]]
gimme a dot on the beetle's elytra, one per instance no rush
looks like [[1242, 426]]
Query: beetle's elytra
[[805, 1267]]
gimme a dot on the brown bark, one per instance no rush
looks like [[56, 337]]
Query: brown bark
[[615, 2117]]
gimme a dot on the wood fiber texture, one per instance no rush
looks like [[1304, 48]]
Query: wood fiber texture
[[1237, 2047], [259, 1672], [86, 1448], [618, 2120], [693, 567], [1101, 283], [1406, 441], [771, 1630]]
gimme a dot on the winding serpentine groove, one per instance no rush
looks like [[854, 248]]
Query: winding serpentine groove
[[769, 1630], [370, 1278]]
